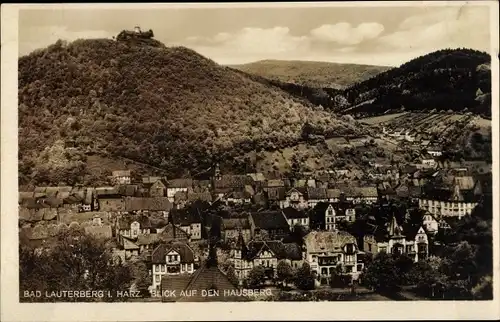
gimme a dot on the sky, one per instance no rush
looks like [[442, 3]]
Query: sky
[[387, 36]]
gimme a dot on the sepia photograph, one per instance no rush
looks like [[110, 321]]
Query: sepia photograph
[[333, 153]]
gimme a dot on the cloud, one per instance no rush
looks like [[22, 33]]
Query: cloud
[[441, 28], [344, 33], [40, 37], [251, 42]]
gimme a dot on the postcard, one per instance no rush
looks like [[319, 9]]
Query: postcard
[[276, 160]]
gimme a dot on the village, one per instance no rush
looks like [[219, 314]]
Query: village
[[258, 221]]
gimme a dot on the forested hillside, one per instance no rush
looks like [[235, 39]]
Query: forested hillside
[[170, 108], [312, 73], [443, 80], [452, 79]]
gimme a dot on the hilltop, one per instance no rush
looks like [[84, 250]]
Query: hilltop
[[446, 80], [167, 108], [311, 73]]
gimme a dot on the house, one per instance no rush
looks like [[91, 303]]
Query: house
[[269, 224], [88, 201], [128, 247], [207, 284], [316, 195], [296, 217], [263, 253], [434, 151], [395, 240], [231, 228], [239, 196], [176, 185], [296, 198], [145, 205], [456, 198], [366, 194], [430, 223], [98, 229], [225, 184], [171, 232], [121, 177], [171, 259], [335, 213], [276, 196], [428, 162], [333, 195], [110, 202], [131, 226], [329, 251], [188, 220], [158, 189]]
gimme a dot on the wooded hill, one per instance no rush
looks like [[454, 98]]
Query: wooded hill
[[170, 108], [451, 79], [312, 73]]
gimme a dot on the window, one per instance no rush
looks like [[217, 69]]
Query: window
[[348, 269], [324, 271], [157, 278], [162, 268]]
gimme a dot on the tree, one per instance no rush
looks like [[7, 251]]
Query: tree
[[77, 262], [256, 277], [484, 289], [285, 273], [381, 274], [231, 275], [304, 278], [142, 280]]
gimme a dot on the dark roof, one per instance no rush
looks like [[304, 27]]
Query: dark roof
[[185, 252], [269, 220], [147, 239], [316, 193], [205, 278], [235, 223], [127, 190], [276, 193], [281, 250], [153, 204], [233, 181], [125, 221], [291, 213], [185, 216], [180, 183], [172, 232]]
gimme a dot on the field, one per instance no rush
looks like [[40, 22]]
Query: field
[[381, 119]]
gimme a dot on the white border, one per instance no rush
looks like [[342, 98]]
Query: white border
[[12, 310]]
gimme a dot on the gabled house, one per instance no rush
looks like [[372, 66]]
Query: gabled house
[[263, 253], [158, 189], [188, 220], [271, 224], [330, 251], [131, 226], [207, 284], [413, 242], [316, 195], [171, 259], [146, 205], [296, 217], [231, 228], [121, 177], [430, 223], [176, 185], [296, 198], [171, 232]]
